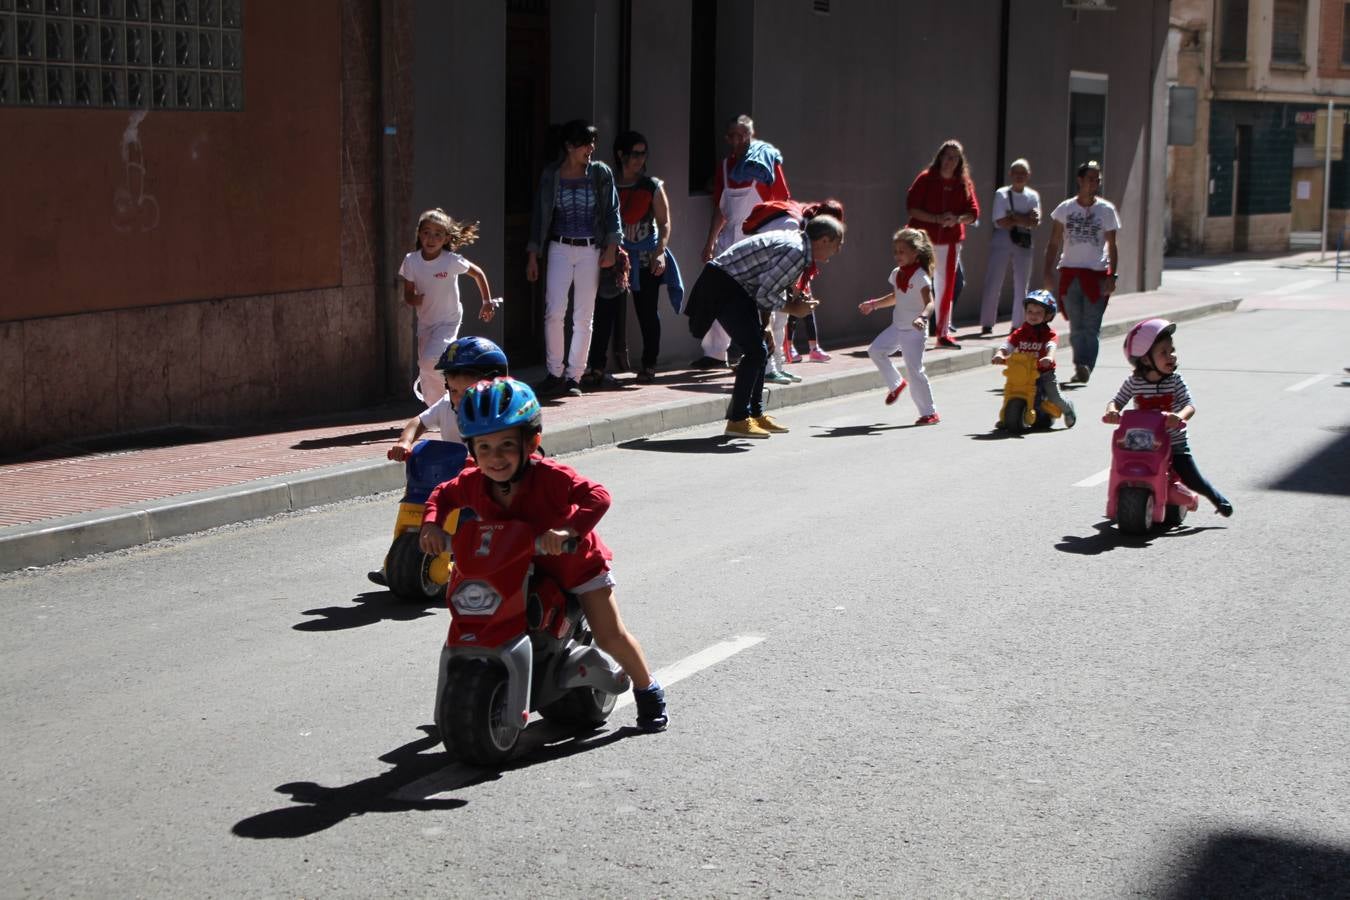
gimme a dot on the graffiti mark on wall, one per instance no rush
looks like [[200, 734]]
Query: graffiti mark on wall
[[134, 209]]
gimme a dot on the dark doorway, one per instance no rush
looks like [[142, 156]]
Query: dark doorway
[[527, 116], [1242, 187]]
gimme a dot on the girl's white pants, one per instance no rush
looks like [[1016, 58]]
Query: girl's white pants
[[432, 339], [909, 341], [579, 269]]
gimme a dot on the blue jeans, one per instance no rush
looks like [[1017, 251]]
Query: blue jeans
[[1085, 324], [739, 315]]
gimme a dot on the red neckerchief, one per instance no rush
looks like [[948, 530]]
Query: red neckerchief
[[804, 282], [903, 276]]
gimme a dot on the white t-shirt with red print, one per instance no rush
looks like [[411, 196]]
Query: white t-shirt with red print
[[437, 280], [909, 300]]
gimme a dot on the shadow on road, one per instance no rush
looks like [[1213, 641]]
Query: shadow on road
[[718, 443], [374, 606], [1240, 865], [845, 431], [421, 770], [1108, 538], [1325, 472]]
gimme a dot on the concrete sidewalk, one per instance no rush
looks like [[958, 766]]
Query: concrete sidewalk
[[65, 507]]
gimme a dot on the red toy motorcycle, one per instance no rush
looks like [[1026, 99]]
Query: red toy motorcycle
[[1144, 490], [517, 643]]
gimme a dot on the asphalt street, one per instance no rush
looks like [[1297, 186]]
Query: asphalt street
[[901, 662]]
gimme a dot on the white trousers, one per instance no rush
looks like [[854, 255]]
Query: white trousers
[[778, 324], [1000, 250], [579, 269], [909, 341], [432, 339], [716, 342]]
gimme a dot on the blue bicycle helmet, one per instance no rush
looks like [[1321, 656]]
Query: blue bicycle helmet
[[473, 354], [1045, 299], [496, 405]]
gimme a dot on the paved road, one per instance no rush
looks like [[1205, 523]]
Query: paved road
[[952, 677]]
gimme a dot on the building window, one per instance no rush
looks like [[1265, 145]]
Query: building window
[[1087, 122], [144, 54], [1286, 45], [1233, 31], [1345, 36]]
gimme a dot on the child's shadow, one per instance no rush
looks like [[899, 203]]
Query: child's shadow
[[858, 430], [1108, 538], [718, 443], [374, 606], [1003, 434], [416, 777]]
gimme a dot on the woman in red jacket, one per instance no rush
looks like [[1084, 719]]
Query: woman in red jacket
[[942, 202]]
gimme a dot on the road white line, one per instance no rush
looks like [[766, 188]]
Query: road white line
[[1094, 480], [1307, 382], [691, 665], [1286, 289]]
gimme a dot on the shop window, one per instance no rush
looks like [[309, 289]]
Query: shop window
[[1286, 44], [1233, 31], [165, 54]]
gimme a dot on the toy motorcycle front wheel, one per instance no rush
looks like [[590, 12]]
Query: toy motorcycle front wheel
[[474, 717], [1134, 510], [408, 570], [1174, 516], [1015, 416]]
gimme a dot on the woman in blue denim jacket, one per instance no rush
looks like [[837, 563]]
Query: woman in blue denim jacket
[[576, 213]]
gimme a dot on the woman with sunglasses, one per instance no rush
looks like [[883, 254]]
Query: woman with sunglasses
[[644, 214]]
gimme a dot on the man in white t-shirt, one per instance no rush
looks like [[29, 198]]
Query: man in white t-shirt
[[1085, 229]]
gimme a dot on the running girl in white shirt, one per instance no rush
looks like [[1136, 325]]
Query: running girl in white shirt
[[431, 285], [912, 296]]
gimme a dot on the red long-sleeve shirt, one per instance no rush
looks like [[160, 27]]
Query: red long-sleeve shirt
[[934, 194], [551, 495]]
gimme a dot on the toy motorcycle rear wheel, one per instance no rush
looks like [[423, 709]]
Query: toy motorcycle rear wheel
[[1174, 516], [1134, 510], [474, 713], [580, 706], [408, 570]]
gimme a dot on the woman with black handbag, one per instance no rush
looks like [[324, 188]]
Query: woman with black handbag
[[1017, 210]]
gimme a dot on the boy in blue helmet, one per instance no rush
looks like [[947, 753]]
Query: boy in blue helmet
[[1036, 336], [465, 362], [502, 425]]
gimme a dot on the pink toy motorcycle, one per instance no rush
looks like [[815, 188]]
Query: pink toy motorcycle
[[1145, 492]]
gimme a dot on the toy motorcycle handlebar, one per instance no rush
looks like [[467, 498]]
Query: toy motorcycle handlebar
[[569, 546]]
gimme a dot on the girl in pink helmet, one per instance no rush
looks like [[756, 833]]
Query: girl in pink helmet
[[1155, 384]]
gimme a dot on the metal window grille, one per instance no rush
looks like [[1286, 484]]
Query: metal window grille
[[1233, 31], [1345, 36], [1287, 39], [137, 54]]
